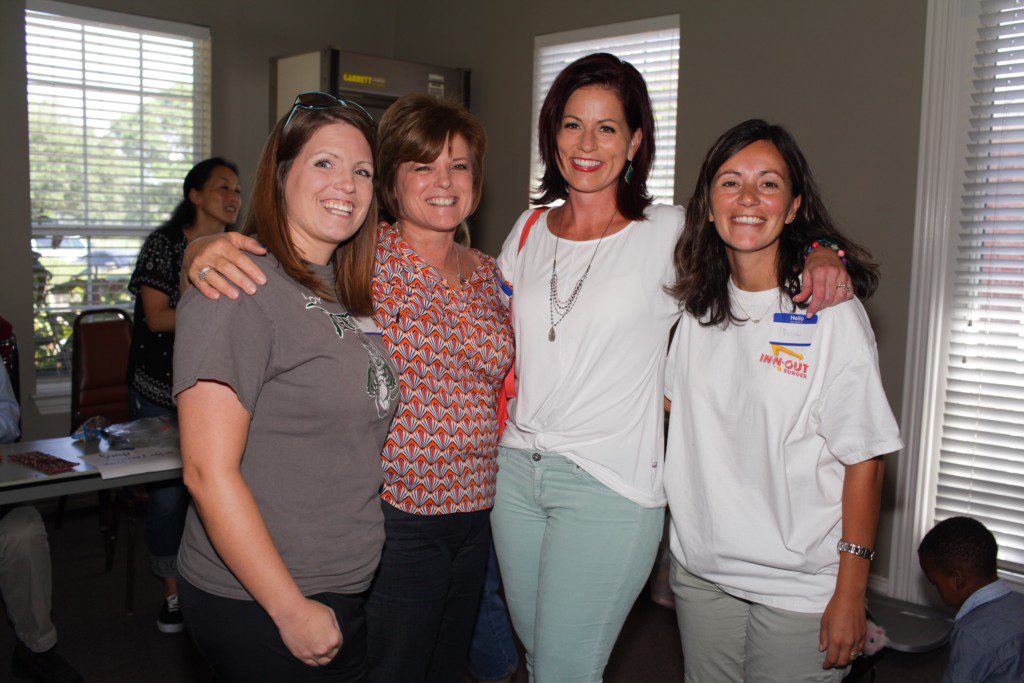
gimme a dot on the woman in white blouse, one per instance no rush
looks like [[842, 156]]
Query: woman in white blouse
[[579, 507]]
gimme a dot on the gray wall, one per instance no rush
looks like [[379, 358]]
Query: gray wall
[[245, 36], [844, 77]]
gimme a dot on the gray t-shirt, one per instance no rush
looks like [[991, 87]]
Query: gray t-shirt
[[320, 393]]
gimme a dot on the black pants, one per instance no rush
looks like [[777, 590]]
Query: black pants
[[424, 599], [240, 641]]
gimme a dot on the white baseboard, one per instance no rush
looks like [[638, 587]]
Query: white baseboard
[[878, 584]]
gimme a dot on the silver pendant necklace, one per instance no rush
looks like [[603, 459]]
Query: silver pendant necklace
[[557, 307], [759, 318], [458, 262], [458, 265]]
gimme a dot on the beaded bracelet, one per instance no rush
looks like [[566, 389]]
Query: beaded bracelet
[[828, 244]]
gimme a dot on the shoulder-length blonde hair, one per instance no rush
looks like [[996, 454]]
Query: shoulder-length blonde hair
[[417, 128], [267, 215]]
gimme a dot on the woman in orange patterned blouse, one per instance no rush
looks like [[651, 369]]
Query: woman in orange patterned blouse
[[441, 309]]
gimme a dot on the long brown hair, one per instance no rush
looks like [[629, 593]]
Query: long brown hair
[[267, 216], [701, 263]]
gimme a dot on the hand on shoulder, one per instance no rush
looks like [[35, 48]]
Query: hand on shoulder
[[218, 265]]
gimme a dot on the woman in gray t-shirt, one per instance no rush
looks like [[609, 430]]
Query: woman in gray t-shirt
[[285, 399]]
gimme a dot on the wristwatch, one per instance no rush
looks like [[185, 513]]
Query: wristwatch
[[858, 550]]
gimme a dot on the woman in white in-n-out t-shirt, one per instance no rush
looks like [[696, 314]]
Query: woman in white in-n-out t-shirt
[[578, 511], [777, 421]]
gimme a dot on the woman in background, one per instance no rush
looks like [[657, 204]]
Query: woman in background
[[777, 424], [212, 198]]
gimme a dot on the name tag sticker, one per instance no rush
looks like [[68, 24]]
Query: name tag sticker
[[796, 319], [367, 325], [794, 328]]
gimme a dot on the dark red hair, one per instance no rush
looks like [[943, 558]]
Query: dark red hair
[[607, 71]]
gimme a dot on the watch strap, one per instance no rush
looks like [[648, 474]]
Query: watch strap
[[858, 550]]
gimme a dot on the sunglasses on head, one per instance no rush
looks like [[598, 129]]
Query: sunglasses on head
[[314, 99]]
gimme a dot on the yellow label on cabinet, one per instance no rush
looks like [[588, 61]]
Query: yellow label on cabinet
[[361, 79]]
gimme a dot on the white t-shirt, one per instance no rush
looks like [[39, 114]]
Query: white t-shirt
[[764, 418], [594, 394]]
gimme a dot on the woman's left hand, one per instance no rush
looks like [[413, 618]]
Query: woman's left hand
[[843, 630], [825, 281]]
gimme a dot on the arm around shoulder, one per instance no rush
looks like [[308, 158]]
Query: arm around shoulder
[[217, 265]]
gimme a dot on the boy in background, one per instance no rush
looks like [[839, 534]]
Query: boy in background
[[958, 556]]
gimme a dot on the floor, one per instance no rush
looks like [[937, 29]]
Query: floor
[[107, 645]]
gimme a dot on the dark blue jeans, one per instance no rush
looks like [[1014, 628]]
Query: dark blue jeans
[[424, 599], [493, 654], [168, 503]]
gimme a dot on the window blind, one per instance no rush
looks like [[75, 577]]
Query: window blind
[[655, 54], [981, 461], [118, 112]]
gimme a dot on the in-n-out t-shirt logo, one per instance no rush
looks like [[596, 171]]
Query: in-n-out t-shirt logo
[[787, 358]]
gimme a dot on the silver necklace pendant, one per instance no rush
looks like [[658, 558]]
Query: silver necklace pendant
[[763, 313], [558, 309]]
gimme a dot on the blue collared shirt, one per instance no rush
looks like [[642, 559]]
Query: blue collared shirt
[[9, 412], [988, 638]]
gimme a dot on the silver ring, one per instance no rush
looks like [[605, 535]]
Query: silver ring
[[856, 654], [846, 287], [203, 271]]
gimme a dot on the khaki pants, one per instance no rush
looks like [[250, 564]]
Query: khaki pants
[[730, 640], [25, 577]]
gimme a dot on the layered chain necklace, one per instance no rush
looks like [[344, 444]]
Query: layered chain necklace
[[557, 308]]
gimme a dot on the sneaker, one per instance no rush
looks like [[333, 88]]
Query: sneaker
[[169, 620], [42, 667]]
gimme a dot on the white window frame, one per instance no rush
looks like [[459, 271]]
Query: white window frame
[[607, 31], [134, 21], [952, 27], [53, 394]]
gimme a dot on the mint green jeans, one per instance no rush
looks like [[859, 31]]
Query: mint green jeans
[[574, 555]]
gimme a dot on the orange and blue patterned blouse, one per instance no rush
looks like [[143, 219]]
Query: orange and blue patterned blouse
[[452, 350]]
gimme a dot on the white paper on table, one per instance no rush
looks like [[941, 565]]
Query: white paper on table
[[138, 461]]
